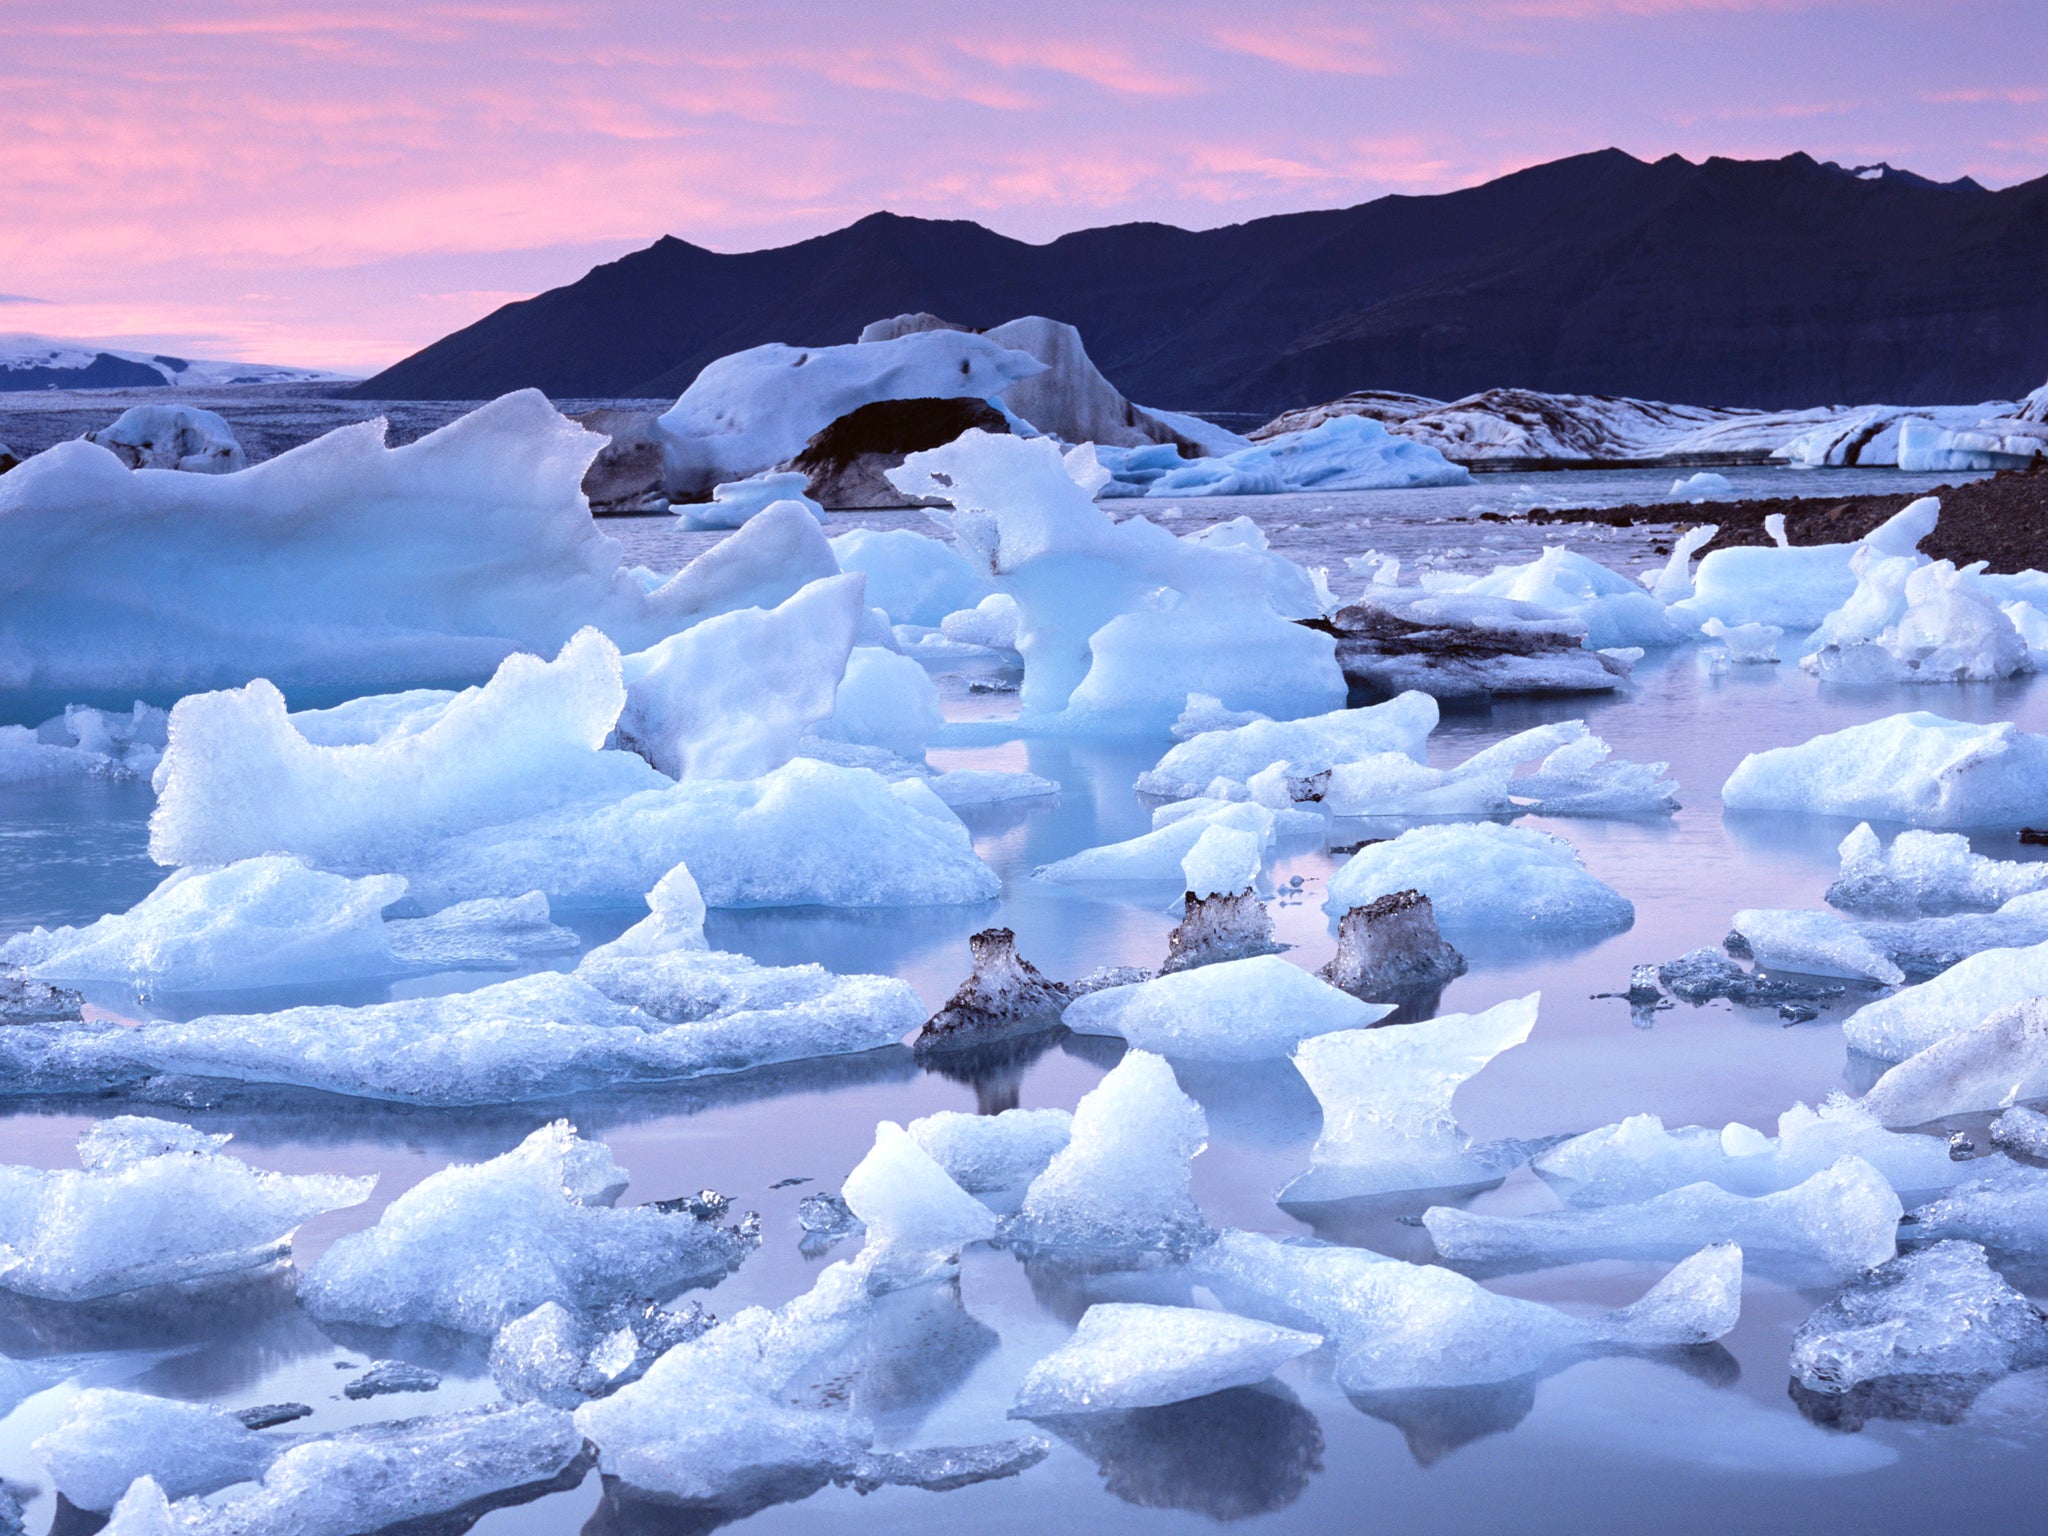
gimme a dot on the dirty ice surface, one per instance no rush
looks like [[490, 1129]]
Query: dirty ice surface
[[1700, 1437]]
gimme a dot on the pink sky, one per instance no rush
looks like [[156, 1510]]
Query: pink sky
[[337, 182]]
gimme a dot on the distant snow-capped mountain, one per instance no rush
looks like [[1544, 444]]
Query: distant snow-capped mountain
[[49, 362]]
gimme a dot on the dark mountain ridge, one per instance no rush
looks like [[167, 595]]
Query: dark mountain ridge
[[1769, 283]]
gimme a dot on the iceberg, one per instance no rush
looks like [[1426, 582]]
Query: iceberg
[[1917, 768], [1122, 1181], [1484, 876], [1984, 1066], [912, 577], [886, 701], [1638, 1159], [1574, 777], [1006, 995], [2022, 1132], [172, 437], [1234, 1010], [992, 622], [1386, 1099], [1924, 624], [1466, 645], [1162, 853], [1840, 1222], [982, 1153], [107, 1439], [1815, 944], [916, 1216], [84, 743], [476, 1245], [1967, 993], [1343, 453], [1133, 1355], [1927, 874], [1746, 645], [1822, 944], [1308, 746], [1120, 622], [1390, 951], [736, 501], [340, 565], [152, 1203], [1399, 1326], [750, 410], [1615, 610], [1917, 1337], [2006, 1211], [1795, 588], [564, 1358]]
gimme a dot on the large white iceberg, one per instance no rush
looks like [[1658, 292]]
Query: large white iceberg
[[1386, 1099], [1485, 876], [476, 1245], [1235, 1010], [1917, 768], [1135, 1355], [753, 409], [154, 1203], [1911, 622], [1795, 587]]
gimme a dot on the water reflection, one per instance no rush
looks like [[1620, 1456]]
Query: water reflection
[[994, 1069], [1231, 1455]]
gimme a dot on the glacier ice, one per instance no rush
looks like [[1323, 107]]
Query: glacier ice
[[172, 437], [1928, 623], [84, 743], [1005, 995], [563, 1358], [991, 622], [1917, 1337], [154, 1203], [1386, 1099], [912, 577], [1343, 453], [1466, 645], [1927, 874], [1913, 1018], [1308, 746], [1840, 1221], [887, 701], [1702, 485], [1614, 610], [1890, 951], [1119, 622], [1795, 587], [1224, 861], [1573, 776], [915, 1214], [2023, 1132], [1984, 1066], [732, 697], [1234, 1010], [1396, 1325], [107, 1439], [1122, 1181], [2006, 1210], [983, 1153], [770, 558], [734, 502], [1816, 944], [1639, 1158], [1917, 768], [750, 410], [1160, 854], [476, 1245], [1484, 876], [1746, 644], [1136, 1355], [1390, 951]]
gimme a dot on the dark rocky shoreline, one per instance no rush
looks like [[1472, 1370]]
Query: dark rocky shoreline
[[2003, 520]]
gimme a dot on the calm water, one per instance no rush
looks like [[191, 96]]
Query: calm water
[[1710, 1443]]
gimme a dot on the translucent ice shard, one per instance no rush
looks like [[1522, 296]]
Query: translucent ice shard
[[1235, 1010], [915, 1214], [1985, 1066], [1132, 1355], [991, 1152], [1927, 874], [107, 1439]]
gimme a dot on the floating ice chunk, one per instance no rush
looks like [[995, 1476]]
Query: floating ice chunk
[[1340, 453], [1005, 995], [675, 920], [1947, 627], [238, 780], [1915, 1335], [1615, 610], [912, 577], [1205, 712], [1132, 1355], [374, 1478], [991, 622], [914, 1212], [155, 1204], [1308, 746], [1984, 1066], [1842, 1220], [84, 743], [476, 1245], [734, 502], [731, 697], [1917, 768], [1219, 928], [1703, 485], [808, 834], [2006, 1211], [107, 1439], [2022, 1131], [1815, 944], [172, 437], [1573, 778], [1795, 588], [1639, 1159], [773, 556], [1389, 951], [1748, 644], [886, 701], [1402, 1326], [1578, 779], [1234, 1010], [1386, 1098], [1912, 1019], [498, 931], [1224, 861], [1927, 874], [1484, 876], [993, 1152], [258, 922], [1122, 1181], [1467, 645], [1161, 853]]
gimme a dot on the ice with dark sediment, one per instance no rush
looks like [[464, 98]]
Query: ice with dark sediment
[[153, 1203], [1394, 1325], [1386, 1100], [2022, 1132], [1390, 950], [1136, 1355], [1639, 1158], [1838, 1222], [1985, 1066], [1706, 974], [476, 1245], [1234, 1010], [1616, 611], [1918, 1337], [1889, 951], [1006, 995], [1927, 874], [1458, 645]]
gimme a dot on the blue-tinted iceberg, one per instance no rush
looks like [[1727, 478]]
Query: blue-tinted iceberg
[[1485, 876], [1134, 1355], [1235, 1010], [1917, 768]]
